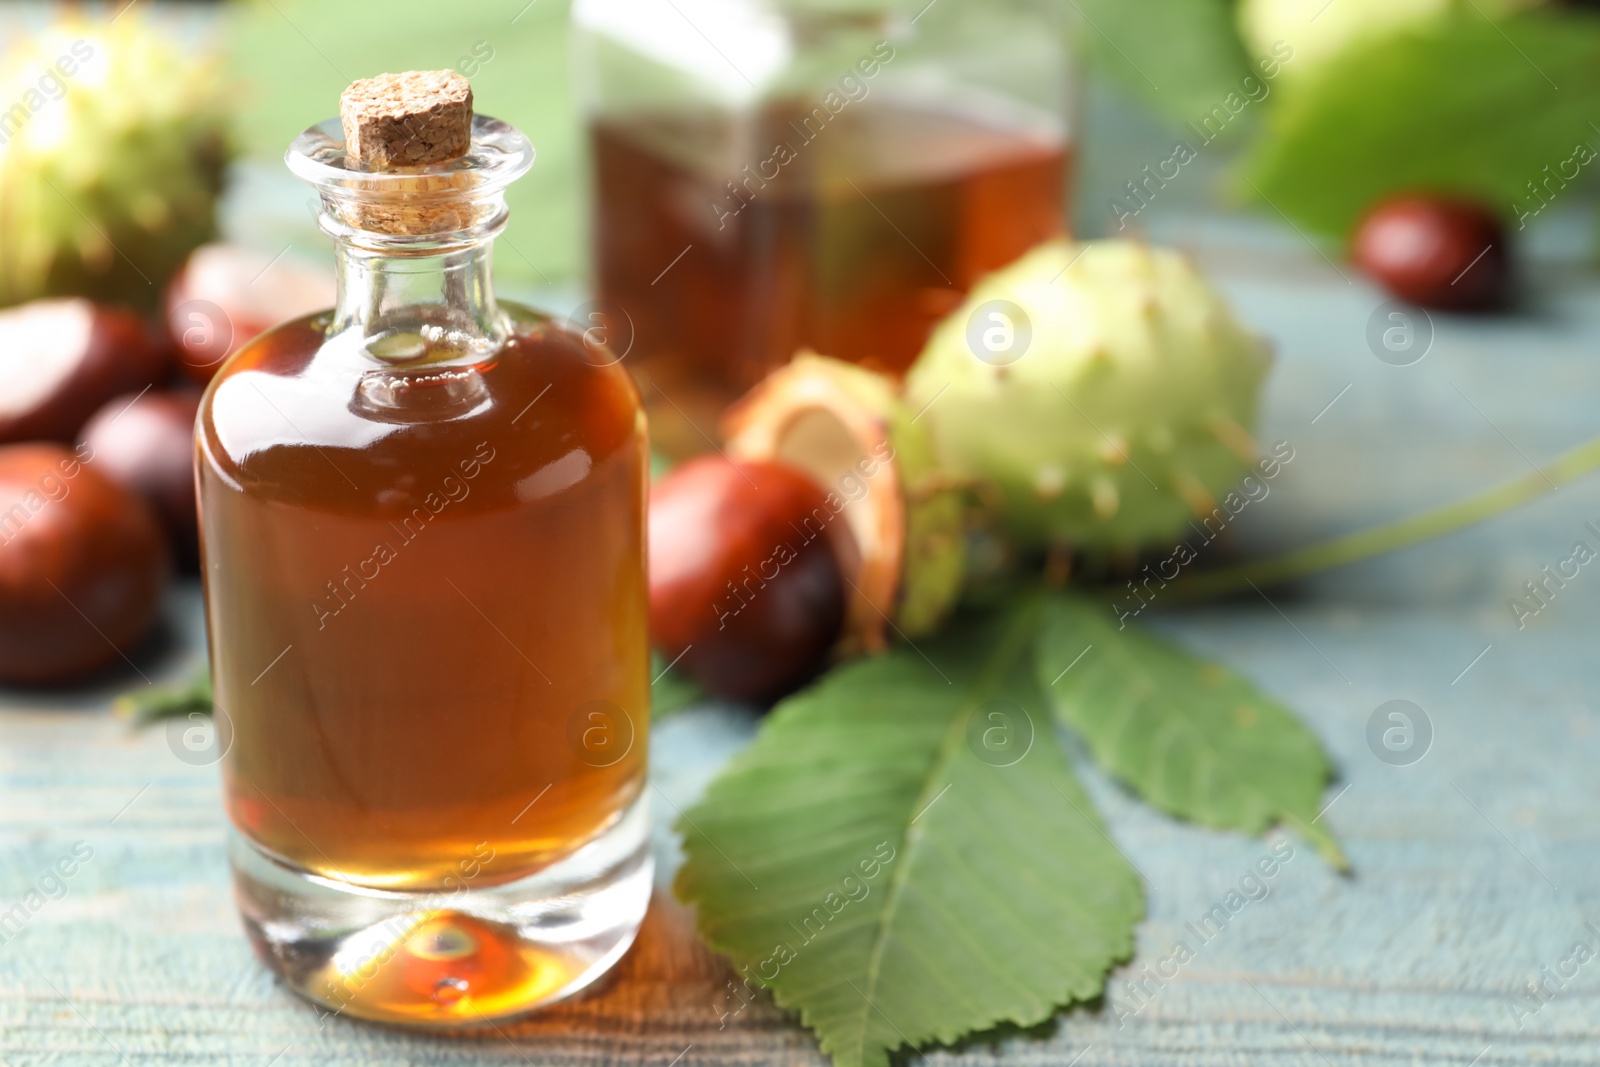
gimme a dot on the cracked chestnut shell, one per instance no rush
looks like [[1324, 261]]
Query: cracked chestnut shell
[[82, 565], [745, 583]]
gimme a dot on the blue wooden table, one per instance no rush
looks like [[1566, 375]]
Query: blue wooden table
[[1477, 866]]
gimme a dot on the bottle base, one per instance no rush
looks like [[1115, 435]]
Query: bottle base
[[448, 958]]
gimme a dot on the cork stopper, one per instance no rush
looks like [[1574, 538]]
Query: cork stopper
[[407, 168], [413, 119]]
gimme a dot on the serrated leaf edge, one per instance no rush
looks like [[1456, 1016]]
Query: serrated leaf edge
[[1017, 650], [1320, 839]]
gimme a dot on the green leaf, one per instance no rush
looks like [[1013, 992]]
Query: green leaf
[[862, 861], [167, 701], [1460, 104], [1193, 738], [670, 692], [1181, 57]]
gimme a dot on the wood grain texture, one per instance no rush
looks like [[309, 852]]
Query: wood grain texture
[[1474, 868]]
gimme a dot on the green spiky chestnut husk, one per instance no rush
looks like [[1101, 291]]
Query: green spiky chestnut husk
[[111, 158], [1095, 395]]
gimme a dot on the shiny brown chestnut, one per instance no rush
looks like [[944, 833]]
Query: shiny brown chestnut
[[745, 582], [1435, 251], [224, 295], [82, 565], [61, 359], [146, 444]]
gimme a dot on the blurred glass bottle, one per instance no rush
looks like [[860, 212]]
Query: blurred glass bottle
[[773, 175]]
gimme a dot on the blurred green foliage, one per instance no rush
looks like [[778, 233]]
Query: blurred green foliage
[[294, 57], [1180, 57], [1460, 104], [1457, 103]]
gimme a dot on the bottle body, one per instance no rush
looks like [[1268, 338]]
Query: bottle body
[[415, 608], [427, 611], [797, 179]]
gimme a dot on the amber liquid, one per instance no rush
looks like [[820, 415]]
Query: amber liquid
[[854, 242], [427, 604]]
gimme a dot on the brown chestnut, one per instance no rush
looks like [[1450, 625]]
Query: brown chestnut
[[146, 443], [61, 359], [745, 583], [82, 565], [225, 295], [1435, 251]]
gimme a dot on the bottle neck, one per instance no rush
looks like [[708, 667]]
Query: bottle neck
[[400, 307], [414, 243]]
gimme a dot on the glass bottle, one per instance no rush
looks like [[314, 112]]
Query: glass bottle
[[423, 515], [775, 175]]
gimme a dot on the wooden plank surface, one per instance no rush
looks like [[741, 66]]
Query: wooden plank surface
[[1474, 868]]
